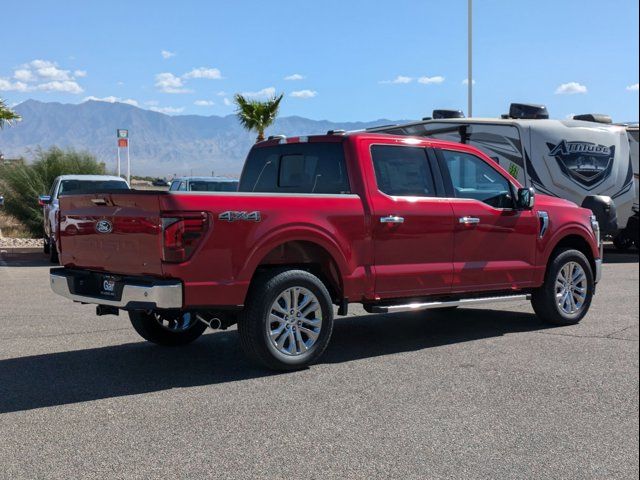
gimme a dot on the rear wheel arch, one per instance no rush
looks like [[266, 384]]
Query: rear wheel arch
[[305, 255]]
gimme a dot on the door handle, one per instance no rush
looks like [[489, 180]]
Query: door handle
[[392, 219], [469, 220]]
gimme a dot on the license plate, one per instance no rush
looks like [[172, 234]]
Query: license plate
[[108, 286]]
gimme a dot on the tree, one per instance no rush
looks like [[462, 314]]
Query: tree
[[22, 183], [256, 115], [7, 116]]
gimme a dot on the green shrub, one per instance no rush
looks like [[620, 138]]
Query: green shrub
[[22, 183]]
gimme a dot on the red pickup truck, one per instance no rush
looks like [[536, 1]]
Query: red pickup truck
[[395, 223]]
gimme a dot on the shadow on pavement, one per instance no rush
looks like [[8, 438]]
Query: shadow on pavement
[[135, 368], [30, 259], [611, 255]]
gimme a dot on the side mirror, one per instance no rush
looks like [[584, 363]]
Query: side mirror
[[44, 200], [526, 198]]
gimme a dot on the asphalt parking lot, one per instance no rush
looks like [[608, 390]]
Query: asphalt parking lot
[[477, 393]]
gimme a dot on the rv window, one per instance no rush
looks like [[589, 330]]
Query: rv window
[[472, 177]]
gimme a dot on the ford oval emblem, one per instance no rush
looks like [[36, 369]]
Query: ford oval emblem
[[104, 226]]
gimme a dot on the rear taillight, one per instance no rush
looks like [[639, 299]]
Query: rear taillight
[[181, 235]]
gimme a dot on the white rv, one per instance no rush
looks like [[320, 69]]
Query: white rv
[[582, 161]]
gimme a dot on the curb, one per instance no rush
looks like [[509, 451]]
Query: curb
[[20, 250]]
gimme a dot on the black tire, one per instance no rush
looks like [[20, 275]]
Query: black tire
[[252, 322], [622, 242], [53, 251], [47, 246], [149, 328], [544, 300]]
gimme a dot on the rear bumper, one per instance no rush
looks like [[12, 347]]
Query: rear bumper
[[138, 293]]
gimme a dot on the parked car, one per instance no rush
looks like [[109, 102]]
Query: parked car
[[585, 160], [392, 222], [204, 184], [1, 201], [160, 182], [71, 184]]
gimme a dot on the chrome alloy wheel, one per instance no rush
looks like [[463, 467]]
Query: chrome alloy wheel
[[295, 321], [571, 289], [180, 322]]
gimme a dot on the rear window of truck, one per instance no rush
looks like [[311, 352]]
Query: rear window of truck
[[296, 168]]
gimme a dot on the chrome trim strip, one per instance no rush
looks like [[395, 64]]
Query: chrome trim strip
[[163, 296], [544, 218], [411, 307], [598, 272]]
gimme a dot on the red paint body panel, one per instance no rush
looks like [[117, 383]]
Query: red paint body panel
[[429, 254]]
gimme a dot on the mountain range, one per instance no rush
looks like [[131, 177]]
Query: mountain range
[[160, 145]]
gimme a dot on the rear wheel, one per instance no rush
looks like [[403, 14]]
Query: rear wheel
[[565, 296], [53, 251], [288, 320], [167, 328]]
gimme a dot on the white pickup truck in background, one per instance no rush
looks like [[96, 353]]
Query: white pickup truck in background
[[71, 184]]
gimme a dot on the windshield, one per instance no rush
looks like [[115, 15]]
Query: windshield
[[90, 186], [207, 186]]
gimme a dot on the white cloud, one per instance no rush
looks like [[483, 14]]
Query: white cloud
[[264, 93], [227, 102], [112, 99], [9, 86], [152, 103], [222, 94], [304, 94], [466, 82], [203, 103], [203, 72], [169, 83], [571, 88], [168, 110], [431, 80], [167, 54], [400, 79], [295, 76], [68, 86], [43, 75], [633, 88], [24, 75]]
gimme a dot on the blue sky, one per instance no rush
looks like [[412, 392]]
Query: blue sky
[[336, 60]]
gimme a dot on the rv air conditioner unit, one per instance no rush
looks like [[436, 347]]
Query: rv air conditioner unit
[[593, 117], [527, 111]]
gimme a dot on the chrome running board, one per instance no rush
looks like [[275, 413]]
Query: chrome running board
[[410, 307]]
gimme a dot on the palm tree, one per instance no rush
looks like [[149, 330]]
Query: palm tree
[[256, 115], [6, 114]]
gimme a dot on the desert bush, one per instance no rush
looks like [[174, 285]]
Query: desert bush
[[21, 183]]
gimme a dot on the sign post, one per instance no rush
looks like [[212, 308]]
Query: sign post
[[123, 142]]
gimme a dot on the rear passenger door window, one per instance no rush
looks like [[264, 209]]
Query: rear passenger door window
[[403, 171], [473, 178]]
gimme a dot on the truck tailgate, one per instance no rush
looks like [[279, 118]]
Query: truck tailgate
[[114, 232]]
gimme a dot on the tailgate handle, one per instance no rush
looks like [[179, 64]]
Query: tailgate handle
[[98, 201]]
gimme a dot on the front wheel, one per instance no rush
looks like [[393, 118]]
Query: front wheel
[[169, 329], [288, 320], [565, 296]]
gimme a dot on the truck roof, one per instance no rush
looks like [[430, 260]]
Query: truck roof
[[357, 134], [206, 179], [91, 177]]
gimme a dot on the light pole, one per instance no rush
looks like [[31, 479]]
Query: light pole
[[469, 59]]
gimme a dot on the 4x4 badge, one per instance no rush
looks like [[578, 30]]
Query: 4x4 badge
[[232, 216]]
